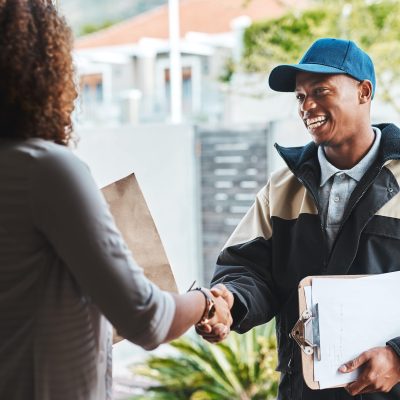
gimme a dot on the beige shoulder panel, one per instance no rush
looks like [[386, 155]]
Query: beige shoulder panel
[[256, 223], [392, 207], [288, 197], [284, 197]]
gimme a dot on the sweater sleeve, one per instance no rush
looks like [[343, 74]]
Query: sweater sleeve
[[70, 211]]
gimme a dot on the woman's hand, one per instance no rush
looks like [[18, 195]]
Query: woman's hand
[[218, 327]]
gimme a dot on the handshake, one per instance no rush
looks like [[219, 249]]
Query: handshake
[[218, 327]]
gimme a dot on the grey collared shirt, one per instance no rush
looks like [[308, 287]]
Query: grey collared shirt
[[337, 185]]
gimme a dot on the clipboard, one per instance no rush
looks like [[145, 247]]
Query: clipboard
[[306, 330]]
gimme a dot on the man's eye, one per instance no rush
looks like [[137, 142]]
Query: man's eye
[[299, 97], [321, 90]]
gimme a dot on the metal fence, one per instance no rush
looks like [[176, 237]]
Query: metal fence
[[232, 168]]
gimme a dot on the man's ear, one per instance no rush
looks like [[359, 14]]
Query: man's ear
[[365, 91]]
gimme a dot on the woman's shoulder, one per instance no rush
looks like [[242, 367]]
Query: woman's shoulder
[[44, 158], [45, 152], [41, 148]]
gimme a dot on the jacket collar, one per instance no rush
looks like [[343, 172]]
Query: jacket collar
[[297, 158], [358, 170], [390, 145]]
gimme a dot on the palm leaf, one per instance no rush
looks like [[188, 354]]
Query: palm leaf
[[242, 368]]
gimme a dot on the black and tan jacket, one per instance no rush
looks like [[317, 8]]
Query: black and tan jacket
[[281, 240]]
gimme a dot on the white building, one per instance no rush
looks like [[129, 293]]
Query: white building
[[124, 70]]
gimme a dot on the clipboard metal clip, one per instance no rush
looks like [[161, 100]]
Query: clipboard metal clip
[[306, 332]]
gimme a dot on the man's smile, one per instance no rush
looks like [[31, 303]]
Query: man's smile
[[314, 123]]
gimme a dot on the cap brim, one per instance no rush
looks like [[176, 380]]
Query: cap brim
[[283, 77]]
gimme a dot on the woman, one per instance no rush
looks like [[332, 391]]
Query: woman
[[63, 264]]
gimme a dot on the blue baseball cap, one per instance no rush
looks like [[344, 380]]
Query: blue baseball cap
[[326, 56]]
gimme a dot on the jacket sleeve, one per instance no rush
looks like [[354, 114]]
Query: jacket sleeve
[[70, 212], [395, 344], [244, 266]]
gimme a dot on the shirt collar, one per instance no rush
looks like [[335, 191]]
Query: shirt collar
[[357, 172]]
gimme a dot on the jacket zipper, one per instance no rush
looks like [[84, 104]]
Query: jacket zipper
[[316, 202], [349, 211], [315, 198]]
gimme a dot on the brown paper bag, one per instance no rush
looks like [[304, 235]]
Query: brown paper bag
[[137, 227]]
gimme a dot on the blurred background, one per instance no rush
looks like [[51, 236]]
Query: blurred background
[[176, 92]]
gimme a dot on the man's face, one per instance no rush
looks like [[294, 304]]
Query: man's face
[[329, 106]]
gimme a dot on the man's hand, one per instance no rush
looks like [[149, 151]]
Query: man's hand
[[380, 371], [218, 327]]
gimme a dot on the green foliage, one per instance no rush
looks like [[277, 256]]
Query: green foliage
[[374, 25], [242, 368], [283, 40], [86, 29], [228, 71]]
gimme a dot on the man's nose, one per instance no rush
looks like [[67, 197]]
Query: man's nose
[[307, 104]]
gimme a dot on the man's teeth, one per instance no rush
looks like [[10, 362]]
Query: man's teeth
[[315, 122]]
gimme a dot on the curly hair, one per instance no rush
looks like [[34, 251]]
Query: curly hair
[[37, 88]]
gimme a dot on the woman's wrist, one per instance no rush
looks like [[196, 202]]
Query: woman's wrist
[[209, 305]]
